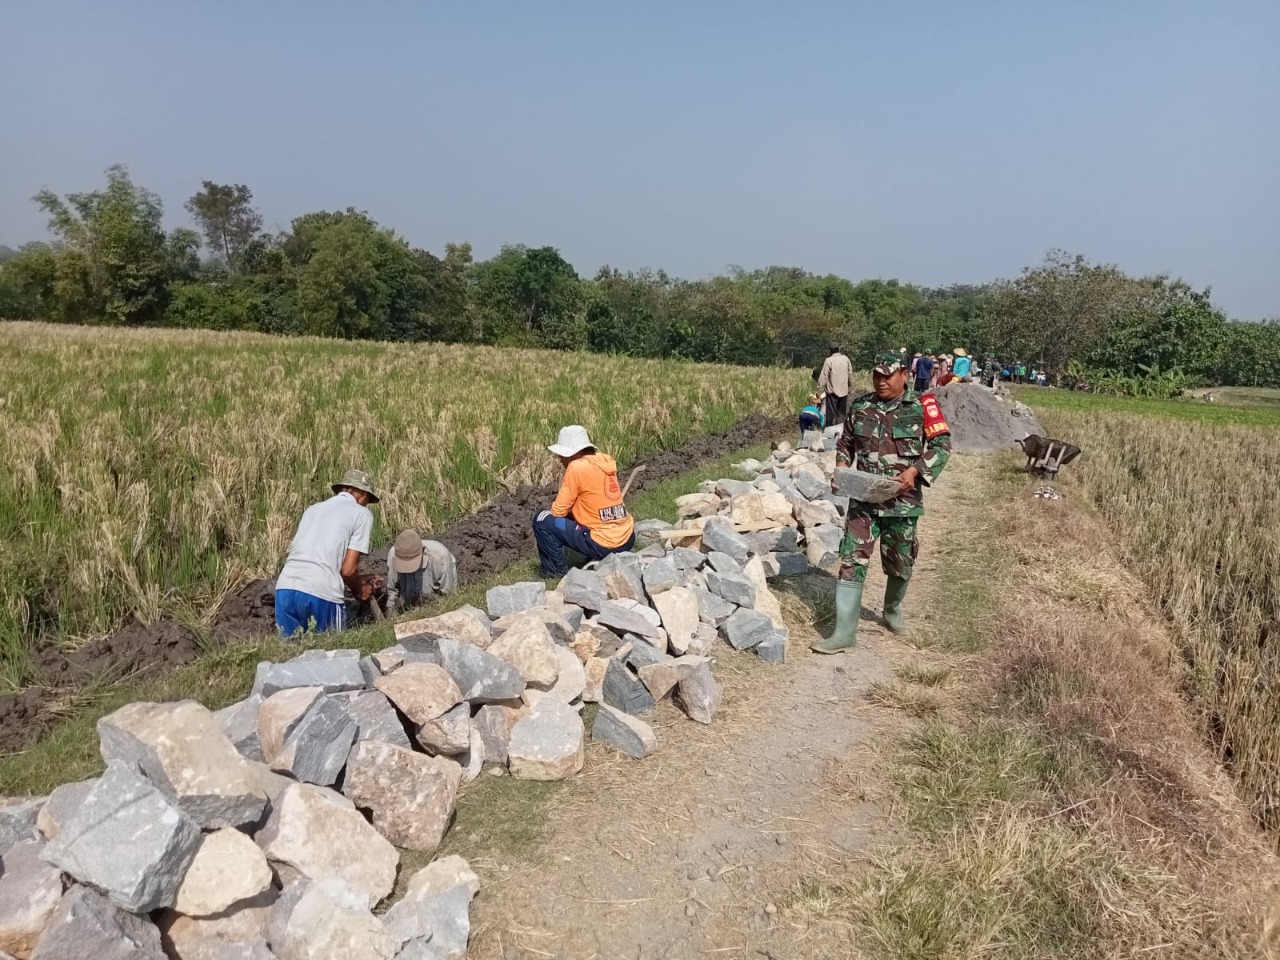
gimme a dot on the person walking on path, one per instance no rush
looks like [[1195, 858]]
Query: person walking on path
[[324, 556], [588, 514], [418, 568], [890, 432], [836, 380]]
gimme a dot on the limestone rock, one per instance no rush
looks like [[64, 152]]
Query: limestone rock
[[449, 733], [481, 677], [650, 531], [585, 645], [527, 646], [494, 722], [570, 683], [128, 840], [629, 616], [678, 608], [61, 806], [421, 691], [228, 868], [623, 690], [410, 796], [315, 751], [319, 833], [279, 714], [547, 744], [333, 671], [18, 821], [862, 486], [239, 722], [789, 564], [733, 587], [434, 915], [747, 508], [659, 576], [331, 920], [242, 928], [515, 598], [595, 669], [375, 718], [728, 489], [712, 608], [88, 925], [723, 563], [629, 734], [774, 647], [586, 588], [766, 602], [181, 749], [779, 539], [822, 546], [661, 677], [718, 535], [698, 694], [459, 625], [697, 505], [746, 628], [622, 577], [471, 761], [816, 513], [704, 640], [29, 893]]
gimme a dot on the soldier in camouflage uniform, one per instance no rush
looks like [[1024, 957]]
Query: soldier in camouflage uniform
[[892, 432]]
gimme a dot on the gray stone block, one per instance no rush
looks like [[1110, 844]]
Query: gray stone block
[[864, 487], [315, 751], [333, 671], [774, 647], [630, 617], [128, 840], [727, 489], [733, 587], [623, 576], [586, 588], [790, 564], [632, 736], [810, 487], [723, 563], [650, 531], [711, 607], [481, 677], [778, 540], [687, 560], [746, 628], [240, 723], [515, 598], [719, 535], [623, 690], [62, 806], [18, 822], [375, 717], [86, 924], [661, 575], [643, 653]]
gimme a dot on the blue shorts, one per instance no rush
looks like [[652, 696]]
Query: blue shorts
[[297, 611]]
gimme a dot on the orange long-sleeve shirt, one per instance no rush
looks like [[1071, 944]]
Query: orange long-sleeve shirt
[[591, 495]]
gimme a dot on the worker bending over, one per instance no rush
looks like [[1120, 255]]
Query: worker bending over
[[588, 514], [418, 568], [324, 556]]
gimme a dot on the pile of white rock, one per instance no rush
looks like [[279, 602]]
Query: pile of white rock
[[273, 828]]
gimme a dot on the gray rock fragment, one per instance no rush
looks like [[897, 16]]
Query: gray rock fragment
[[862, 486], [660, 576], [719, 535], [810, 486], [727, 489], [503, 601], [632, 736], [315, 751], [623, 576], [61, 806], [628, 616], [375, 718], [87, 925], [650, 531], [777, 540], [746, 628], [624, 691], [698, 694], [448, 734], [333, 671], [18, 822], [712, 608], [586, 588], [546, 744], [723, 563], [822, 546], [686, 559], [789, 564], [643, 653], [240, 724], [774, 647], [29, 893], [480, 676], [733, 587]]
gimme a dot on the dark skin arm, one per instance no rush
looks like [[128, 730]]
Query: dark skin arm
[[361, 588]]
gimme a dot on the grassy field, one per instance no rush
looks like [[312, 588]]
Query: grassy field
[[147, 473], [1189, 490]]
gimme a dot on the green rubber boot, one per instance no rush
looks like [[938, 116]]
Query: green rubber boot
[[848, 606], [895, 591]]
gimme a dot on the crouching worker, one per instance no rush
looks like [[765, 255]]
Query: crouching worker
[[812, 417], [417, 567], [588, 514], [894, 433], [323, 558]]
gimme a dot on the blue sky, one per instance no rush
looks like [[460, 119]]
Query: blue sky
[[935, 142]]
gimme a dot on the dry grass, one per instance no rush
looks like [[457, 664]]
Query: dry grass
[[147, 473]]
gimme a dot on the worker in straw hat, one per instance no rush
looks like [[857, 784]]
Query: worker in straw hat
[[417, 567], [961, 365], [323, 558], [588, 514]]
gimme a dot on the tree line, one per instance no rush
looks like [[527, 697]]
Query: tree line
[[342, 274]]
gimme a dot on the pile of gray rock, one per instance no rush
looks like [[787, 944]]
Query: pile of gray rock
[[273, 828]]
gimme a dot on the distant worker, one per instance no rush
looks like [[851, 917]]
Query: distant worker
[[417, 568], [836, 380], [890, 432], [812, 417], [324, 556], [961, 365], [924, 373], [588, 514]]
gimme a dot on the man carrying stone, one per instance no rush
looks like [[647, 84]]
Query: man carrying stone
[[418, 568], [890, 432], [836, 380], [324, 557]]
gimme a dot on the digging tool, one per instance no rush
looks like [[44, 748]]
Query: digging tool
[[634, 473]]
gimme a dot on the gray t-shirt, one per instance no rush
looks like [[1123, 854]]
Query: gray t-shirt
[[326, 532]]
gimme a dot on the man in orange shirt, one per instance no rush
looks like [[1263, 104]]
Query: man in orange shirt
[[588, 514]]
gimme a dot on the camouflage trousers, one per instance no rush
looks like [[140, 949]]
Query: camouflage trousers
[[898, 545]]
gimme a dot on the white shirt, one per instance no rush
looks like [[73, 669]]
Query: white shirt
[[326, 532]]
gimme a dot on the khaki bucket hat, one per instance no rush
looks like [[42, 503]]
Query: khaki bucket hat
[[407, 557], [357, 480]]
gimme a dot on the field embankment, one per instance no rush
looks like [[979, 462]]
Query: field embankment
[[149, 474]]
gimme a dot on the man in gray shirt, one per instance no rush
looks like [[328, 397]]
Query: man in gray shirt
[[416, 567], [324, 557], [836, 380]]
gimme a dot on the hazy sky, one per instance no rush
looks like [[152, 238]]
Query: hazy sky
[[938, 142]]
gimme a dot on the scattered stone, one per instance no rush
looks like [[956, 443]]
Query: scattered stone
[[723, 563], [547, 744], [421, 691], [698, 694], [678, 609], [623, 690], [789, 564], [18, 822], [746, 628], [747, 508], [811, 486], [749, 467], [228, 868], [766, 602], [515, 598], [628, 616], [319, 833], [585, 645], [562, 610], [236, 934], [777, 540], [128, 840], [642, 652], [494, 723], [527, 645], [595, 669], [330, 919], [862, 486], [570, 684], [822, 548], [776, 507], [816, 514], [280, 713], [622, 578], [712, 608], [650, 531], [632, 736], [61, 806], [375, 718], [332, 670], [660, 576], [239, 723], [703, 640], [316, 748], [733, 587], [480, 676], [449, 733], [86, 924], [29, 893], [719, 535], [461, 625], [773, 648], [181, 749], [660, 677], [586, 588], [434, 914], [410, 796]]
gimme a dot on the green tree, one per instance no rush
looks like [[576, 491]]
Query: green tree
[[226, 217]]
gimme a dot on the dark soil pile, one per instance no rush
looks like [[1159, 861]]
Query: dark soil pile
[[982, 423], [488, 540]]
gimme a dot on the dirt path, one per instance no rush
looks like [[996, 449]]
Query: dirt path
[[695, 851]]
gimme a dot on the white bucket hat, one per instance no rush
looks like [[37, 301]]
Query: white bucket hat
[[572, 440]]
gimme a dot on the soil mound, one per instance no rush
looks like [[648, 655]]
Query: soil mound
[[983, 421]]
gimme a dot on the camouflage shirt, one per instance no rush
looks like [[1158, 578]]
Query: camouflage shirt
[[888, 436]]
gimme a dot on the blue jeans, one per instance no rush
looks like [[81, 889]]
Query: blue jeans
[[555, 533], [298, 611], [809, 421]]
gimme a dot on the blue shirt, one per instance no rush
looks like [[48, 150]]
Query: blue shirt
[[822, 419]]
